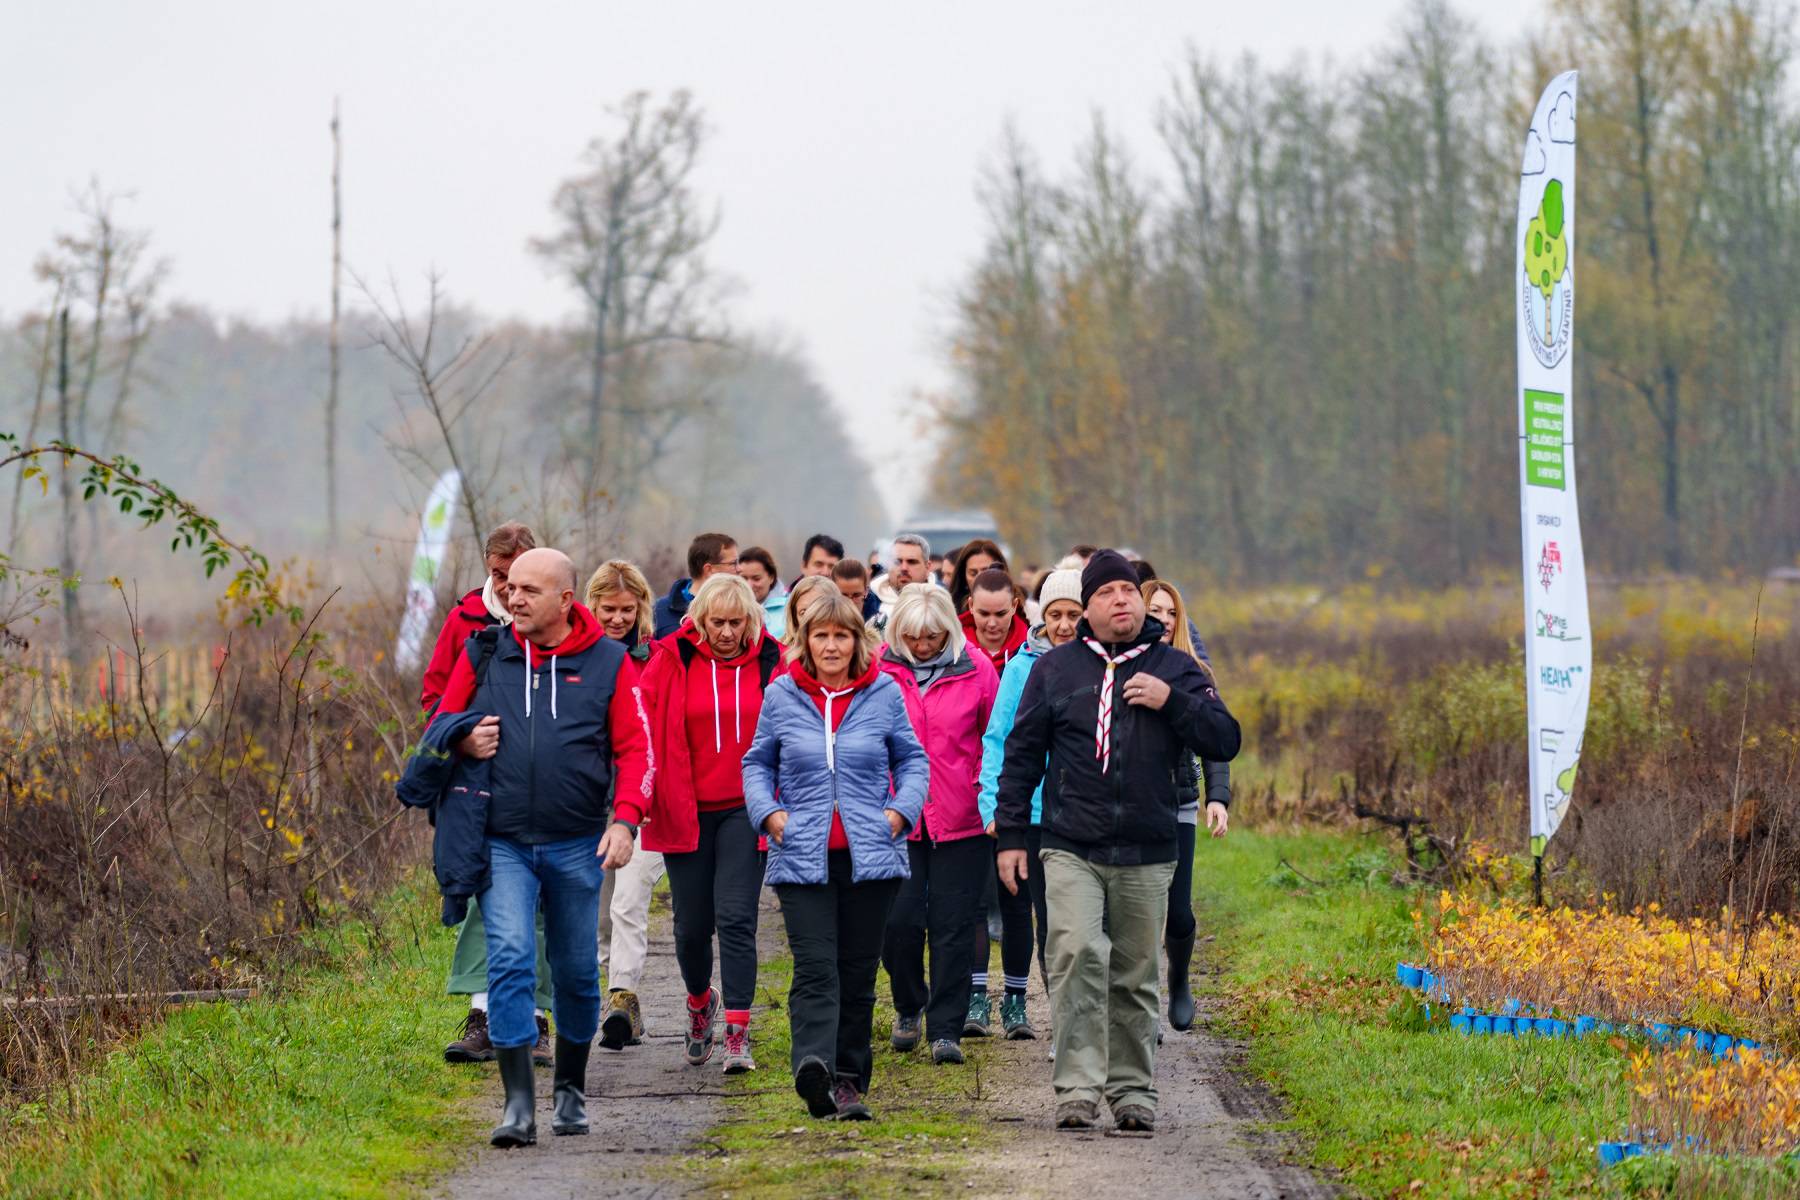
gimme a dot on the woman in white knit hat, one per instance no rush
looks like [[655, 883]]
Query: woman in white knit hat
[[1059, 600]]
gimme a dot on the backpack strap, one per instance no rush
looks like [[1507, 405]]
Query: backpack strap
[[480, 648]]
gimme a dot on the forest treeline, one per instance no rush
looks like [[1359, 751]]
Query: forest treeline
[[643, 417], [228, 412], [1287, 351]]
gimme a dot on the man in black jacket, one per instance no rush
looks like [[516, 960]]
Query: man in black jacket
[[1114, 714]]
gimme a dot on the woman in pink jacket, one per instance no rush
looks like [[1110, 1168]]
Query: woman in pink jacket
[[949, 693]]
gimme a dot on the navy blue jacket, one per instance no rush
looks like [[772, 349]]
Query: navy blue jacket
[[669, 611], [454, 793]]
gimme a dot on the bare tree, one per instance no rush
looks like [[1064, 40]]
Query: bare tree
[[632, 237], [448, 372], [105, 286]]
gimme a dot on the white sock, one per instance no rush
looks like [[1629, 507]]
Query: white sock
[[478, 1001]]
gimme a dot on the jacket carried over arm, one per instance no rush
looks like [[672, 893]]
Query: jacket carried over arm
[[1125, 815]]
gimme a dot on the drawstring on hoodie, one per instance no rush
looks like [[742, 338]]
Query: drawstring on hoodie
[[530, 676], [737, 712], [830, 729]]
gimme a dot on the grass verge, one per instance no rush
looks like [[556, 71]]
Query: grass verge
[[331, 1088], [927, 1121], [1308, 929]]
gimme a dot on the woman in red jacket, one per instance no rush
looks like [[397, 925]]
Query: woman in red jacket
[[705, 682], [949, 691]]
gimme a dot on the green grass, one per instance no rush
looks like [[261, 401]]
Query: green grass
[[1381, 1095], [927, 1127], [331, 1088]]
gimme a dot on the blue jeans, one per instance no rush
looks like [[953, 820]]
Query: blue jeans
[[565, 878]]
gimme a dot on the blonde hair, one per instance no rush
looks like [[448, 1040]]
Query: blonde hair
[[924, 608], [802, 588], [834, 611], [1178, 636], [727, 595], [617, 575]]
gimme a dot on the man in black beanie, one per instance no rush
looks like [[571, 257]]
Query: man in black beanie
[[1114, 714]]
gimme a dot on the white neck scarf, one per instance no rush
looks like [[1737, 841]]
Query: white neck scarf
[[1103, 731]]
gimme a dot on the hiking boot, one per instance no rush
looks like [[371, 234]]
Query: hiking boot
[[980, 1021], [849, 1101], [1014, 1021], [1181, 996], [945, 1052], [1134, 1118], [544, 1053], [569, 1107], [737, 1051], [812, 1079], [473, 1046], [518, 1118], [1077, 1114], [907, 1031], [622, 1024], [702, 1026]]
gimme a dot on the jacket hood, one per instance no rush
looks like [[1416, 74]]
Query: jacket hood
[[1015, 637], [679, 595], [584, 631], [812, 687], [1037, 643]]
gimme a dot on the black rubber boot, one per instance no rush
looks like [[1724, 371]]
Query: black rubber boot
[[569, 1109], [518, 1121], [1181, 999]]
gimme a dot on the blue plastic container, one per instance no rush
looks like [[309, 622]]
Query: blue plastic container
[[1503, 1026], [1660, 1033], [1460, 1023], [1408, 975], [1481, 1024], [1585, 1026], [1721, 1046]]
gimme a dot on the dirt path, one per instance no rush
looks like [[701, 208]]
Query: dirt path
[[1211, 1138], [646, 1107]]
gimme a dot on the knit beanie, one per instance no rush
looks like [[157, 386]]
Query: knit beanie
[[1107, 566], [1060, 585]]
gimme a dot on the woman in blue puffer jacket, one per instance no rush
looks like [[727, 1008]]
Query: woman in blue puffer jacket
[[832, 734]]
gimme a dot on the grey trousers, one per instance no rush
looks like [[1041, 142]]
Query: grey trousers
[[1105, 946]]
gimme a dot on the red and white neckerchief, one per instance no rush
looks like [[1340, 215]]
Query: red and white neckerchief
[[1103, 731]]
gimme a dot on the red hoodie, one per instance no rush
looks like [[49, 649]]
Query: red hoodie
[[626, 723], [1014, 639], [840, 704], [470, 615], [704, 719]]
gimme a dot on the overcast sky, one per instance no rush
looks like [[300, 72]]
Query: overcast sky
[[846, 144]]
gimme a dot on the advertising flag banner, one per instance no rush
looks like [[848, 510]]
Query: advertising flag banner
[[1558, 640], [428, 560]]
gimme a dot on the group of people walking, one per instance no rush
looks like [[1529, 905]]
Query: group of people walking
[[897, 754]]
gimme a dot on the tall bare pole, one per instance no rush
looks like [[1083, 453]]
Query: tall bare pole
[[337, 273], [74, 630]]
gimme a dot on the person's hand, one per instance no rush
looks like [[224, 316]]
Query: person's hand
[[615, 846], [483, 741], [1013, 869], [990, 829], [896, 822], [776, 825], [1218, 817], [1146, 691]]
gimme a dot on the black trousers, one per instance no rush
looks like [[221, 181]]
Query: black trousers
[[1017, 915], [715, 889], [834, 932], [1181, 888], [938, 904]]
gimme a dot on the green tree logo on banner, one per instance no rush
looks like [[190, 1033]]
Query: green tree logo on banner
[[1547, 250]]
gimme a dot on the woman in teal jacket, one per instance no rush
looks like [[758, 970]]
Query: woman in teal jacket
[[1060, 599]]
